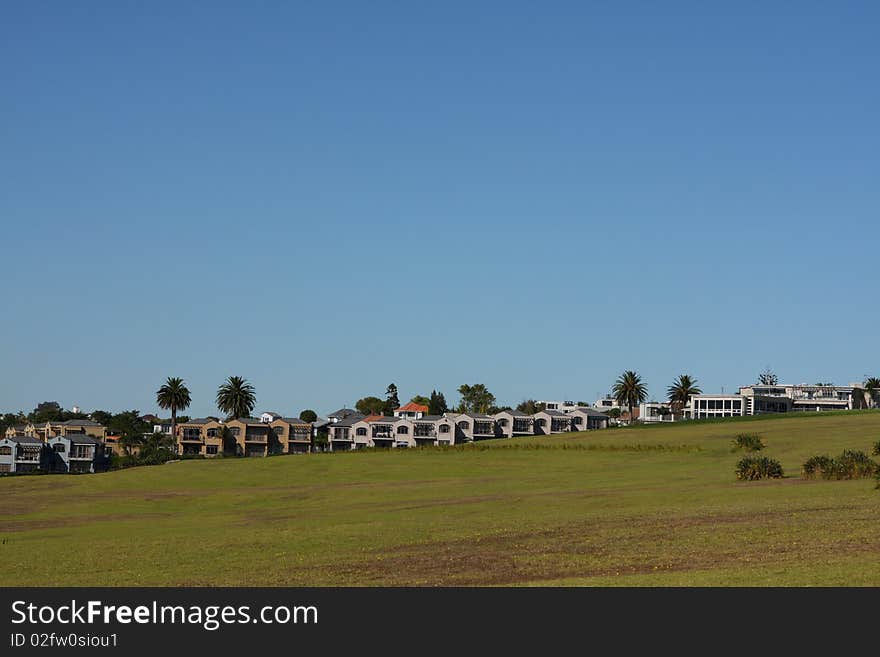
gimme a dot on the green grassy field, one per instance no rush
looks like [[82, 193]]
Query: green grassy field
[[641, 506]]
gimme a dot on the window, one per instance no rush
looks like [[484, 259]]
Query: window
[[361, 431], [211, 450], [444, 428], [59, 448], [402, 429], [5, 451], [540, 422], [235, 431], [727, 404], [212, 433], [502, 422], [576, 420], [464, 426]]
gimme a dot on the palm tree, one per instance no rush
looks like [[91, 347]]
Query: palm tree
[[236, 397], [173, 395], [681, 390], [629, 390], [872, 387]]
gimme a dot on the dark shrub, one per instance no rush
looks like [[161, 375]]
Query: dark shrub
[[750, 442], [877, 448], [850, 464], [817, 466], [853, 465], [752, 468]]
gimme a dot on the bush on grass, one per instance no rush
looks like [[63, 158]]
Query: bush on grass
[[752, 468], [750, 442], [850, 464]]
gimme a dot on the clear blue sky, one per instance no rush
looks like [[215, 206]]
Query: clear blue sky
[[327, 197]]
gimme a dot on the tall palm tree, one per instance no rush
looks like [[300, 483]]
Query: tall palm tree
[[173, 395], [630, 390], [236, 397], [681, 390], [872, 387]]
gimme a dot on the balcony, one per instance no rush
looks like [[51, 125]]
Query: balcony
[[483, 429], [252, 438]]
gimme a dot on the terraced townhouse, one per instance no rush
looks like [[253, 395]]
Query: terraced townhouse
[[47, 430], [253, 437], [412, 428], [20, 453]]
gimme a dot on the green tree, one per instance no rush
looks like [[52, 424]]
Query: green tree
[[475, 398], [421, 400], [236, 397], [128, 424], [47, 411], [437, 403], [370, 406], [11, 420], [872, 387], [230, 444], [530, 407], [156, 448], [629, 390], [129, 442], [681, 390], [392, 401], [173, 395], [308, 415], [101, 417]]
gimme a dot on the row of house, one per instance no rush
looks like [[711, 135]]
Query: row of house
[[411, 426], [45, 431], [69, 446], [74, 452], [251, 436]]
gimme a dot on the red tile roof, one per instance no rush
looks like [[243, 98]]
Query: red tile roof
[[372, 418], [412, 407]]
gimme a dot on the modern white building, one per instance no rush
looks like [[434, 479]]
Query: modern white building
[[654, 411], [705, 406], [762, 399]]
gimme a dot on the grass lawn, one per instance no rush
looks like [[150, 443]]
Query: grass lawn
[[640, 506]]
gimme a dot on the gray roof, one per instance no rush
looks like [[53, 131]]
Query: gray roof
[[293, 420], [78, 438], [590, 411], [26, 439], [80, 423], [350, 420], [429, 418], [386, 420], [478, 416], [515, 413], [344, 412], [199, 420], [554, 413]]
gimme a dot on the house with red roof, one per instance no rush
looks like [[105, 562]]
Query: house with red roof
[[411, 411]]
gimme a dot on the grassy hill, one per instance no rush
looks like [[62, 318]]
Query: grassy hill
[[641, 506]]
